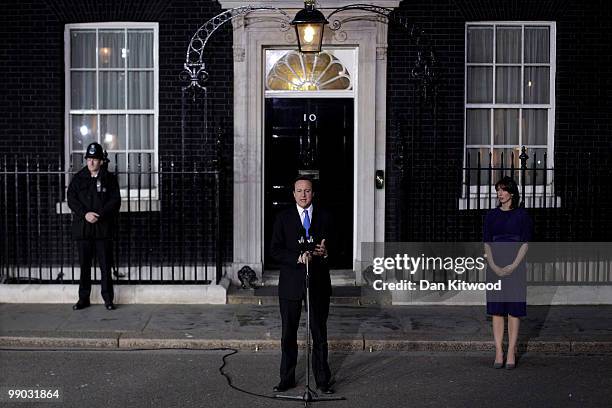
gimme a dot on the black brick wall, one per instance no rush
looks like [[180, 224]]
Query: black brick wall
[[32, 97], [420, 206], [423, 204]]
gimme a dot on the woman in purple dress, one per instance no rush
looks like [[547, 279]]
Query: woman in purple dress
[[507, 229]]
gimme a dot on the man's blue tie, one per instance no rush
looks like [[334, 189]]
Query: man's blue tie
[[306, 223]]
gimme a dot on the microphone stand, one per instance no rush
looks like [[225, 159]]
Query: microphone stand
[[309, 395]]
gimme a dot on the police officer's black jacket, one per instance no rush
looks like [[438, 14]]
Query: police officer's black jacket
[[84, 195]]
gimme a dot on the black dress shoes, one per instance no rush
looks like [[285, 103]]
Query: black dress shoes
[[326, 389], [282, 387], [110, 306], [80, 305]]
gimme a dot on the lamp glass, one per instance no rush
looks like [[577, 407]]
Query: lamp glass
[[310, 36]]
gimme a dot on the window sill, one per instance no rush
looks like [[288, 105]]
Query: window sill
[[485, 204], [142, 205]]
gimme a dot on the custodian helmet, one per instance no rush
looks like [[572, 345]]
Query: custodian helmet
[[94, 151]]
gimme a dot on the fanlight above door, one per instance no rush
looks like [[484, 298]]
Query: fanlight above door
[[308, 72]]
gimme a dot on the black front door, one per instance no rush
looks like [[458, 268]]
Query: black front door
[[311, 136]]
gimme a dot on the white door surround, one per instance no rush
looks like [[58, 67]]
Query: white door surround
[[251, 35]]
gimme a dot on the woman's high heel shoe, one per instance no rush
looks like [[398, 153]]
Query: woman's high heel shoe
[[512, 366]]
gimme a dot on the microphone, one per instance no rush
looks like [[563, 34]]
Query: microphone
[[305, 242], [302, 239]]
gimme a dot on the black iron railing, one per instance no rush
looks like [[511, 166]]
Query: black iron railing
[[541, 185], [168, 228]]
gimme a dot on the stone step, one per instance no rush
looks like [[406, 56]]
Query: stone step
[[268, 295], [339, 277]]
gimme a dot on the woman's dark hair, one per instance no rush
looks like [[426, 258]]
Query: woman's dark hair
[[508, 184]]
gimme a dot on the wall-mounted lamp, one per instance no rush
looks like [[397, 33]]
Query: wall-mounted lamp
[[309, 24]]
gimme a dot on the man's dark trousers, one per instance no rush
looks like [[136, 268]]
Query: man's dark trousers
[[290, 312], [103, 249]]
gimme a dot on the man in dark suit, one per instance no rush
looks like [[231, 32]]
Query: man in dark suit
[[290, 224]]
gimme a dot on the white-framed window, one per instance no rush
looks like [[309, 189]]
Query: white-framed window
[[510, 100], [111, 77]]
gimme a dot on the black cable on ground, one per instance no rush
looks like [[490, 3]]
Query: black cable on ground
[[232, 351]]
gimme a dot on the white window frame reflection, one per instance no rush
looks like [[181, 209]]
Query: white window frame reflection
[[550, 107], [125, 112]]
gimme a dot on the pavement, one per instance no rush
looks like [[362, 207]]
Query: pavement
[[556, 329]]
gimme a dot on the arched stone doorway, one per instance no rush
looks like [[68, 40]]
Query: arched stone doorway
[[251, 36]]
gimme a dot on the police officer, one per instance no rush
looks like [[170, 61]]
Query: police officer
[[93, 197]]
